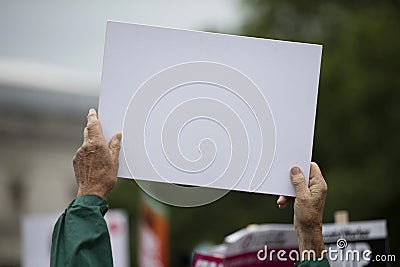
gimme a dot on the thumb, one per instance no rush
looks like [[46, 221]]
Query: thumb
[[299, 182], [115, 145]]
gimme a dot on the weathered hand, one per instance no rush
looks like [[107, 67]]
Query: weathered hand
[[96, 163], [308, 208]]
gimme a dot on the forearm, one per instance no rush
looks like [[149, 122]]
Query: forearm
[[80, 236], [311, 244]]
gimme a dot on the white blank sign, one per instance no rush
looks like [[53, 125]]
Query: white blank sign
[[209, 110]]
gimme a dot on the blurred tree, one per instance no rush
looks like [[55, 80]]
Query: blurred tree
[[125, 196], [357, 129], [358, 119]]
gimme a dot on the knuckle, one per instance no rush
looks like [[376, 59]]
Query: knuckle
[[116, 146], [77, 157], [324, 187], [92, 122], [96, 145], [116, 143], [91, 114], [297, 181], [315, 170], [90, 125], [315, 165], [84, 148], [116, 163], [302, 198]]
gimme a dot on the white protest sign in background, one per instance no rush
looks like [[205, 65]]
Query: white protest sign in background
[[37, 230], [208, 110]]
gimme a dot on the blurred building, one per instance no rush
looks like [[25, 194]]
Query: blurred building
[[42, 115], [50, 69]]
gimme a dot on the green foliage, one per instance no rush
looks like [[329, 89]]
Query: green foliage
[[125, 196], [358, 118], [357, 136]]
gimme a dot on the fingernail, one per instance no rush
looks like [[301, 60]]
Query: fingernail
[[295, 170], [119, 136]]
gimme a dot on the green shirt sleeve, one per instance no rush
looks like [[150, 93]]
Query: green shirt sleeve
[[314, 263], [80, 235]]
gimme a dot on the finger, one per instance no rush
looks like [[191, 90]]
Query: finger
[[283, 201], [315, 174], [314, 170], [85, 135], [115, 145], [317, 183], [92, 116], [299, 182], [93, 125]]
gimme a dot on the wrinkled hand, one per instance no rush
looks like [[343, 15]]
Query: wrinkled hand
[[308, 208], [96, 163]]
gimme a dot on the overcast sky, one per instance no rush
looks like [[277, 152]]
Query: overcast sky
[[70, 34]]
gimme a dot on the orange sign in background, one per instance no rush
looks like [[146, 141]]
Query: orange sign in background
[[153, 234]]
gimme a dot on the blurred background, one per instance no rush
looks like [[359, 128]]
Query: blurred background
[[50, 72]]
